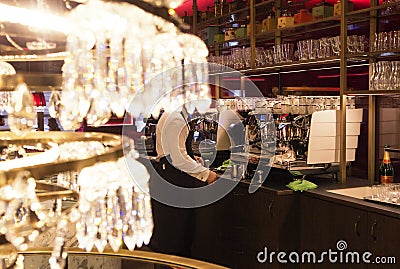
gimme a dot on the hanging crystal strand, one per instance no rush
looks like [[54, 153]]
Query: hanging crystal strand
[[133, 58], [101, 221], [59, 255], [157, 69], [86, 230], [148, 75], [21, 201], [114, 221], [107, 212], [140, 211], [146, 216], [21, 113], [120, 98], [100, 111], [134, 47], [85, 68], [72, 116], [123, 83], [55, 104], [81, 230], [130, 234], [125, 206], [113, 64]]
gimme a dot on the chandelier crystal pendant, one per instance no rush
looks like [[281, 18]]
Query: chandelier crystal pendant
[[121, 54]]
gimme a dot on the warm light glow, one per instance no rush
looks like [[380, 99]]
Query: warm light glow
[[33, 18], [171, 11]]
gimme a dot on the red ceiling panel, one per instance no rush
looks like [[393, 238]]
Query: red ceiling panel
[[203, 4]]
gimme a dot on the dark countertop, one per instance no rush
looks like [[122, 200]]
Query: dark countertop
[[322, 193], [276, 184], [277, 187]]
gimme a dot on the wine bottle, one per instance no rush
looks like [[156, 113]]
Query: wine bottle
[[386, 171]]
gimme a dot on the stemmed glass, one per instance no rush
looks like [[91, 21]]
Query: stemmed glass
[[395, 77], [373, 82], [352, 44], [360, 44], [335, 43]]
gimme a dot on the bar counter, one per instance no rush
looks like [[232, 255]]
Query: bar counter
[[235, 229]]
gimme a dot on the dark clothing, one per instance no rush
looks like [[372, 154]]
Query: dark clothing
[[174, 227]]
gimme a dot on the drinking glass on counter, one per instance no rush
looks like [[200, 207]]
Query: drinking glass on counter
[[388, 193]]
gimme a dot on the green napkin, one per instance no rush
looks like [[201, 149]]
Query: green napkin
[[301, 185]]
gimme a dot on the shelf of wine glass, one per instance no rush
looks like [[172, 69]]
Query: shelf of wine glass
[[286, 32], [307, 28], [296, 66], [373, 92], [349, 15], [297, 29]]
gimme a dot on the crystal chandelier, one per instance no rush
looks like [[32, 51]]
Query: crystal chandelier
[[120, 57], [122, 54], [114, 210]]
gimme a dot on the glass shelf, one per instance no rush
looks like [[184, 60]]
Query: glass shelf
[[375, 54], [374, 92], [297, 66]]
